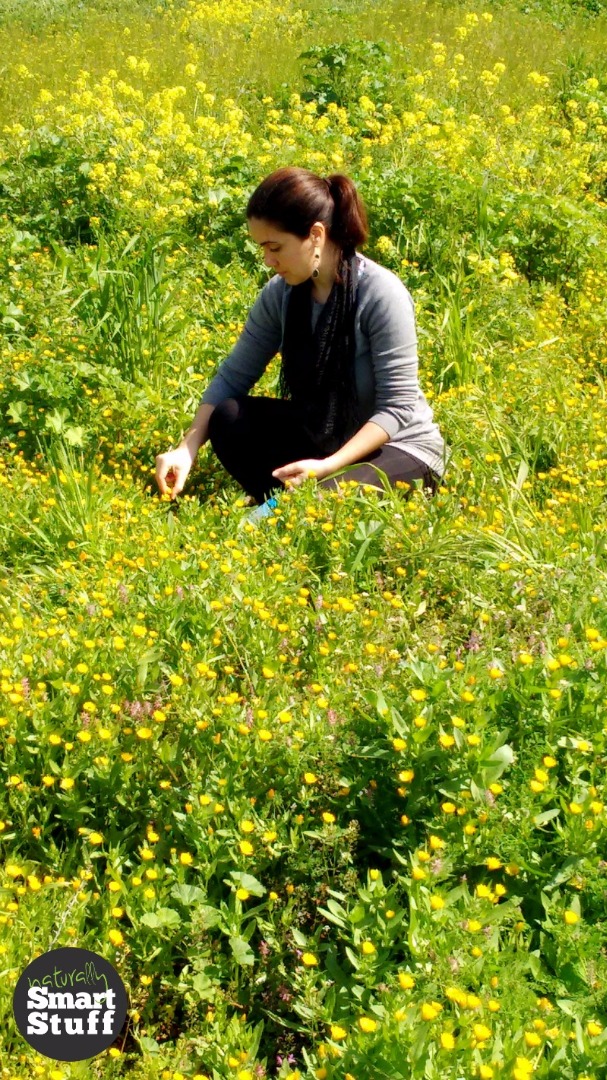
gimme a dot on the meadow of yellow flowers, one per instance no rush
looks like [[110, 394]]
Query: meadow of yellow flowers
[[329, 792]]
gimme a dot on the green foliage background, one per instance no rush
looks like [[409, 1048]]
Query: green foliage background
[[329, 792]]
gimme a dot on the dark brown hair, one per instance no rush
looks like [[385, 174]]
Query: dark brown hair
[[293, 199]]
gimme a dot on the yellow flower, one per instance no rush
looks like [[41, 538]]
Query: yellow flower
[[430, 1010], [309, 959], [523, 1069], [407, 982], [243, 894], [246, 848], [328, 818], [446, 1040], [593, 1028], [247, 826], [310, 778], [95, 838], [481, 1032], [571, 917], [368, 948], [337, 1032], [186, 859], [366, 1024], [116, 937], [419, 695]]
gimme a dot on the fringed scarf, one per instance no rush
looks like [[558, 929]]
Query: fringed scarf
[[317, 371]]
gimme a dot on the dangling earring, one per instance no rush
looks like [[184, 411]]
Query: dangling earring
[[316, 271]]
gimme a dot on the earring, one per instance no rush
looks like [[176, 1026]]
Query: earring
[[316, 271]]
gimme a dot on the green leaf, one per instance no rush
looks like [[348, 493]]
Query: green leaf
[[16, 411], [204, 986], [247, 881], [161, 917], [243, 954], [188, 894], [74, 436], [208, 916], [148, 1045], [548, 815]]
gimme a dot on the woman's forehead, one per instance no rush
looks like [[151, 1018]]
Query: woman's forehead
[[263, 232]]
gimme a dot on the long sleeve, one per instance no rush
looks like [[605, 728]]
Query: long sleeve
[[390, 327], [259, 341]]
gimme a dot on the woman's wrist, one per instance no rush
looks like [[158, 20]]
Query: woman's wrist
[[189, 443], [329, 465]]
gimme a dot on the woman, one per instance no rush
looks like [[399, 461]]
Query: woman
[[345, 327]]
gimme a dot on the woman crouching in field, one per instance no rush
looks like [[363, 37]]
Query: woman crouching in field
[[345, 327]]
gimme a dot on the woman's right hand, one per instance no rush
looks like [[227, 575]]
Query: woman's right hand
[[172, 470]]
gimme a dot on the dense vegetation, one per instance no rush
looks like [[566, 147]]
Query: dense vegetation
[[329, 792]]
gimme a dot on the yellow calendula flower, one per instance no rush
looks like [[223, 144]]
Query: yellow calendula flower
[[367, 1025], [309, 959]]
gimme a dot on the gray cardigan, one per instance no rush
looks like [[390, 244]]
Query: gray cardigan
[[385, 359]]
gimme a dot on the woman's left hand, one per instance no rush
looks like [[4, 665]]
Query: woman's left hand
[[296, 472]]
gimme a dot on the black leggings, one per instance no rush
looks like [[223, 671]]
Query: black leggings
[[251, 436]]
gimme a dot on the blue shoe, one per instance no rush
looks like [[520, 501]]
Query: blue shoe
[[265, 510]]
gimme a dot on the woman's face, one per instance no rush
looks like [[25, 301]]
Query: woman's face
[[287, 254]]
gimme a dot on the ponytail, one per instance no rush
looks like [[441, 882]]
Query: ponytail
[[349, 228]]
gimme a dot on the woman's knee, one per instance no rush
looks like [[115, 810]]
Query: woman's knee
[[224, 415]]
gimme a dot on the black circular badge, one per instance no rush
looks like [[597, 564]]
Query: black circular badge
[[70, 1004]]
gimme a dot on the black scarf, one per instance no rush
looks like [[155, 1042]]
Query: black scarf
[[317, 371]]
